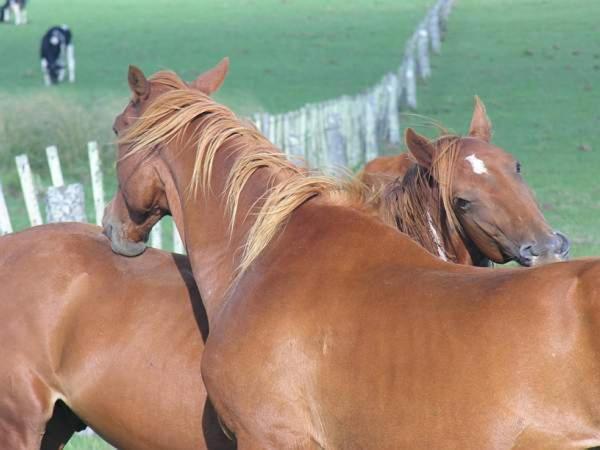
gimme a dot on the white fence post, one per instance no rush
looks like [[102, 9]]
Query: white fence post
[[5, 225], [410, 82], [336, 142], [97, 186], [54, 164], [371, 150], [156, 236], [423, 53], [178, 246], [31, 203], [434, 29], [392, 113]]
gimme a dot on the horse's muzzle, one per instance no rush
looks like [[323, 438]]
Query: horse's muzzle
[[556, 248]]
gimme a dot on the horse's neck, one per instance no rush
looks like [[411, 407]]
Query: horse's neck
[[461, 249], [213, 243]]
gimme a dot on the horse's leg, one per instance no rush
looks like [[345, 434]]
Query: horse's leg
[[25, 407], [61, 427]]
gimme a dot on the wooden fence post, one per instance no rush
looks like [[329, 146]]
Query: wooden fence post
[[178, 246], [97, 185], [433, 25], [257, 122], [371, 150], [392, 110], [336, 143], [445, 7], [156, 236], [5, 225], [312, 141], [271, 135], [31, 202], [54, 164], [423, 53], [302, 123], [410, 81]]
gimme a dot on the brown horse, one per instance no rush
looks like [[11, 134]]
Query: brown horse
[[90, 336], [465, 203], [348, 334]]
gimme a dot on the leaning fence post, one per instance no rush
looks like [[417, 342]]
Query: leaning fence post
[[5, 225], [54, 164], [31, 203], [97, 187]]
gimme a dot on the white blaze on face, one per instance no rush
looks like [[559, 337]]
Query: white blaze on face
[[477, 164]]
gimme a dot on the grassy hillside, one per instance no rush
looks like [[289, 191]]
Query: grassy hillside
[[284, 53]]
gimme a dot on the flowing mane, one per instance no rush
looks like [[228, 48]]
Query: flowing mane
[[420, 204], [185, 113]]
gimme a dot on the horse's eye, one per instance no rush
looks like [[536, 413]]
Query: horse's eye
[[518, 167], [115, 131], [462, 204]]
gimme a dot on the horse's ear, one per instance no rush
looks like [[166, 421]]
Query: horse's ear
[[481, 127], [137, 82], [419, 147], [211, 80]]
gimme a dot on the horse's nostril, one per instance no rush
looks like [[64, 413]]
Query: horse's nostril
[[528, 250], [563, 245]]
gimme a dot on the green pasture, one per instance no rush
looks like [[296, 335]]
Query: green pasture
[[534, 62], [283, 53], [87, 443]]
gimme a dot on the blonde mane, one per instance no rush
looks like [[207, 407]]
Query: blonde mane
[[422, 200], [182, 109]]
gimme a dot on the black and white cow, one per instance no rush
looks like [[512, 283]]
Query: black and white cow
[[15, 8], [57, 51]]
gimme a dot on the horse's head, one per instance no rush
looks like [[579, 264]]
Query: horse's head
[[483, 187], [147, 191]]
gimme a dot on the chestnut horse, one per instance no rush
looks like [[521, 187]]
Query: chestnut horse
[[182, 425], [90, 336], [465, 203], [179, 427], [348, 334]]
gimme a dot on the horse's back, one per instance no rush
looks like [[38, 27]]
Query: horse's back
[[415, 343], [395, 166], [118, 339]]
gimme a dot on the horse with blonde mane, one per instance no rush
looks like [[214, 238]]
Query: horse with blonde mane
[[464, 202], [100, 340], [328, 328]]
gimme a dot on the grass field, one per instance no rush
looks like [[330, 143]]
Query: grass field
[[283, 53], [535, 63]]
